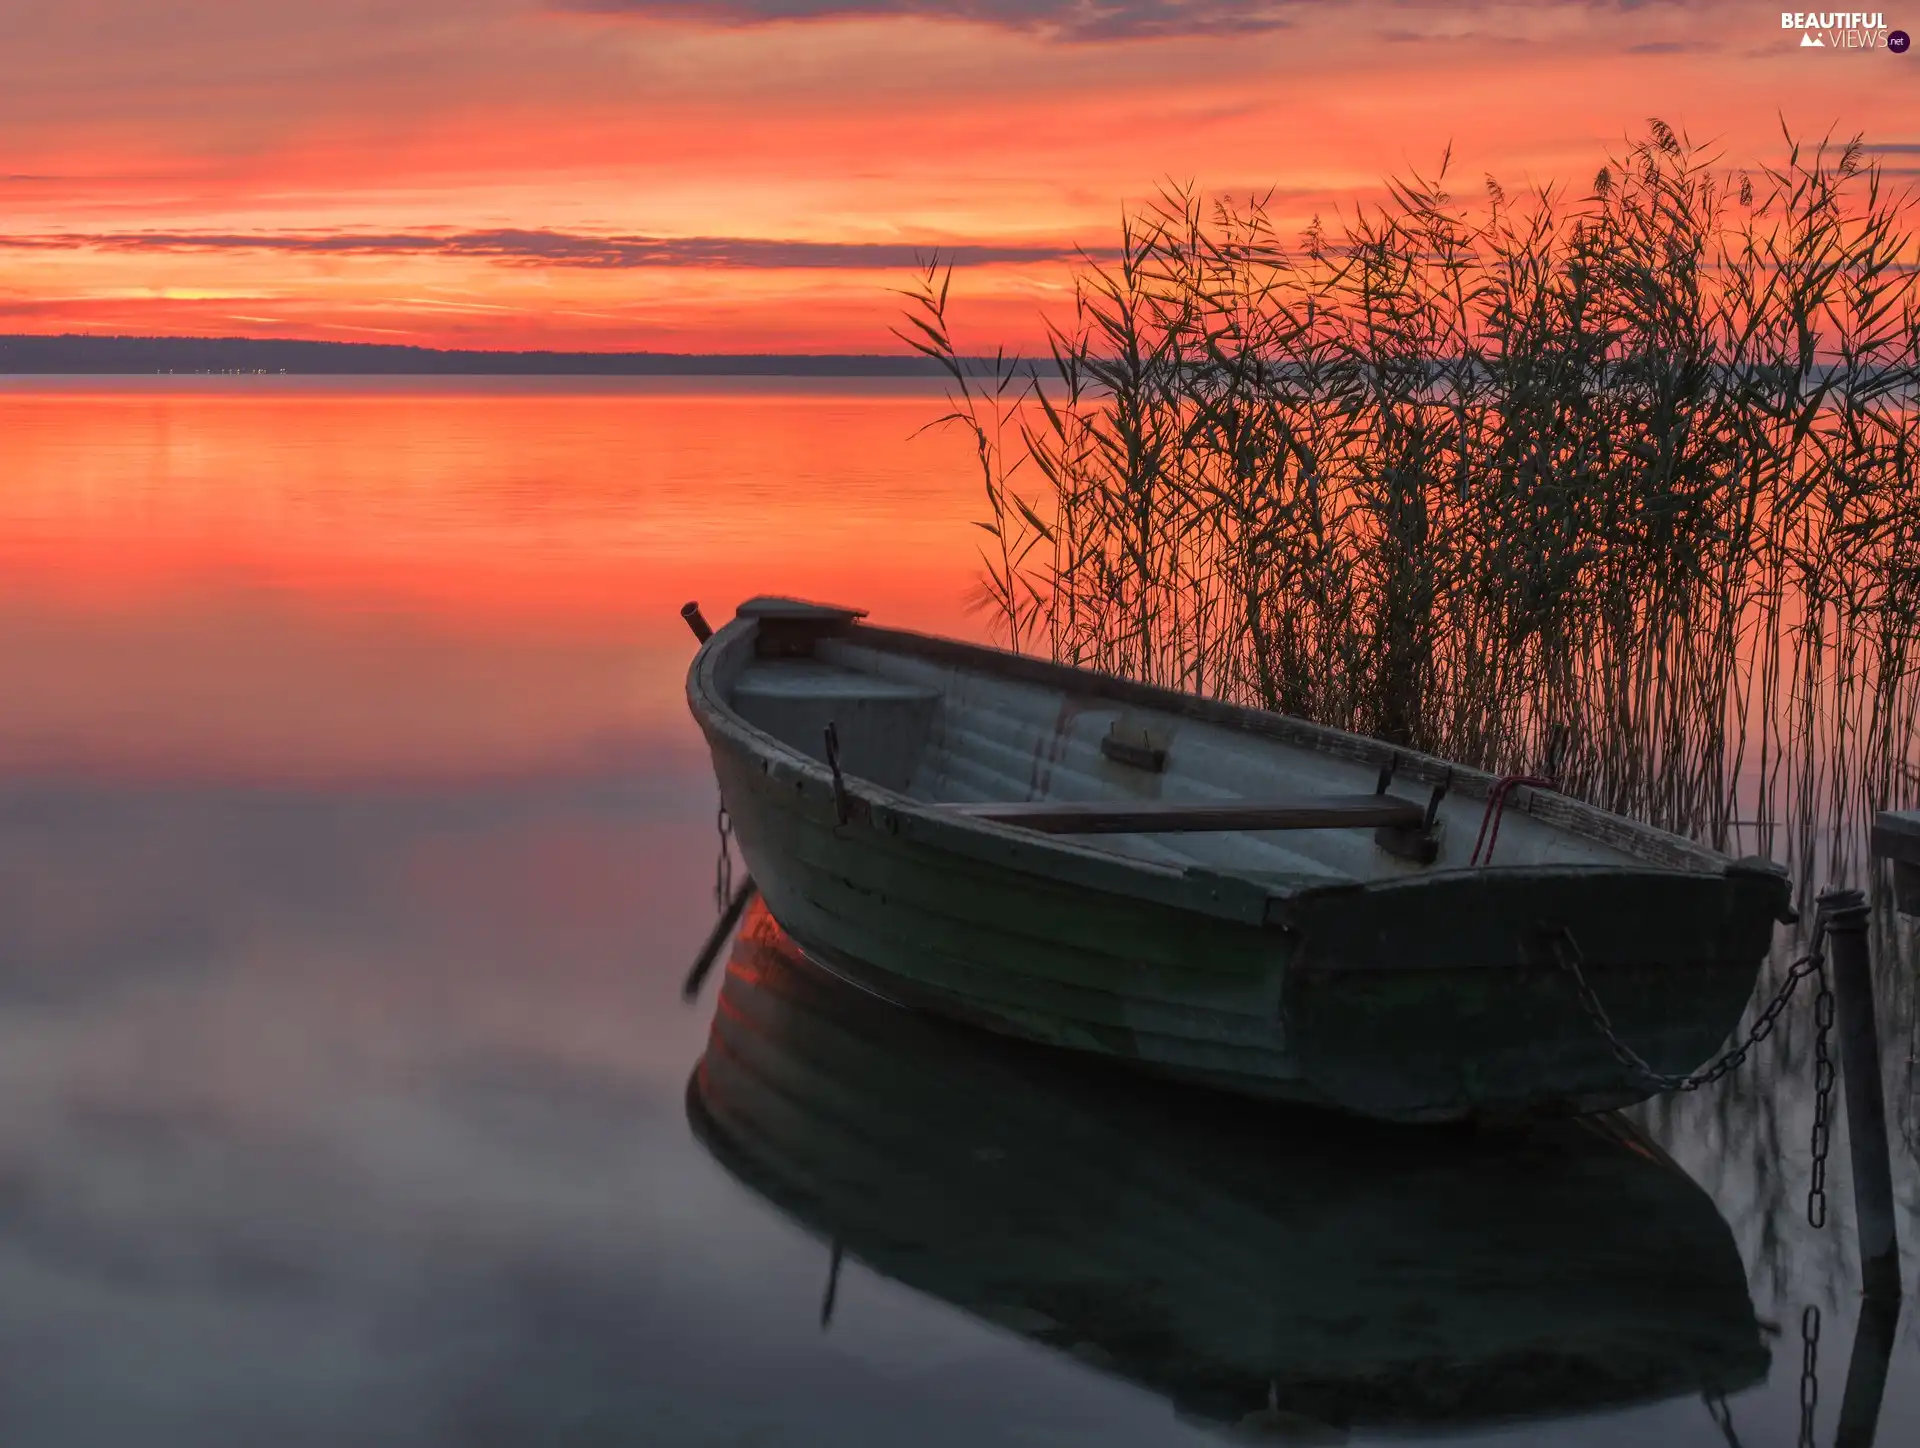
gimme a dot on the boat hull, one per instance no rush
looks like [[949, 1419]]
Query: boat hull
[[1433, 1000]]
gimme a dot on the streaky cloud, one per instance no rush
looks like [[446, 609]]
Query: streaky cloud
[[1065, 20], [1074, 20], [559, 248]]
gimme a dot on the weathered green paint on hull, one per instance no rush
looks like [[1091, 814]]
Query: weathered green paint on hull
[[1448, 1002], [1016, 952], [1415, 997]]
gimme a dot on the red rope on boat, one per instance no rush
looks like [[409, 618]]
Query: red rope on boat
[[1497, 806]]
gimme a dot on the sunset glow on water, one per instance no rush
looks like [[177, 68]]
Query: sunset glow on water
[[316, 578]]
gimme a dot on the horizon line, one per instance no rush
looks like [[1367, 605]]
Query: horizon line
[[71, 353]]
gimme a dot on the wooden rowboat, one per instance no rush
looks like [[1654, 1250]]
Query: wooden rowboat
[[1287, 1273], [1209, 891]]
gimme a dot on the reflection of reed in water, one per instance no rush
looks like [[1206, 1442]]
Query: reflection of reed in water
[[1291, 1269]]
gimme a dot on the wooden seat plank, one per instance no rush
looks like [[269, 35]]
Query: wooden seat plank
[[1155, 816]]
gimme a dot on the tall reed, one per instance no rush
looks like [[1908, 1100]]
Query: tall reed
[[1641, 459]]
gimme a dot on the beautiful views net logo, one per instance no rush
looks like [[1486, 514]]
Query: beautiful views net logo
[[1843, 30]]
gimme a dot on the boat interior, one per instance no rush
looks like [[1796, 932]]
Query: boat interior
[[1150, 783]]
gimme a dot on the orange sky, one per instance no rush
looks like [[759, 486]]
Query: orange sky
[[742, 175]]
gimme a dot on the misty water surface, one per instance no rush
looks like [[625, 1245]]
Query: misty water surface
[[353, 843]]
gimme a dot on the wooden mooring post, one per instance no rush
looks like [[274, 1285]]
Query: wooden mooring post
[[1866, 1388], [1847, 916], [1896, 838]]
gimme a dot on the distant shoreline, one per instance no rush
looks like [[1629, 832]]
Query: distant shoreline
[[201, 356]]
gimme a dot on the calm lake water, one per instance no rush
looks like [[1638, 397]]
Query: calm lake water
[[354, 842]]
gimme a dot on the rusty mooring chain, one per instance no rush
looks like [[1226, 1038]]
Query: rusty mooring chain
[[1567, 951], [1722, 1415], [1822, 1103], [1809, 1371]]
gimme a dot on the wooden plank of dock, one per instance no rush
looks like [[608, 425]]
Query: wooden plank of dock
[[1896, 837]]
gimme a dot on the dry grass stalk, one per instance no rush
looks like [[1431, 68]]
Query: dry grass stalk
[[1640, 459]]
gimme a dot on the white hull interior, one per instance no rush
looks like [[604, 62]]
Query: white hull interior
[[946, 734]]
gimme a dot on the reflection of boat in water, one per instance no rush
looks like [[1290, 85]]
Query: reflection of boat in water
[[1284, 1267]]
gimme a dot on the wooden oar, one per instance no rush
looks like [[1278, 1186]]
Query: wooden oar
[[710, 952], [1154, 816]]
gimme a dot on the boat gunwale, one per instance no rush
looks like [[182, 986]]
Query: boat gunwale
[[1657, 853]]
